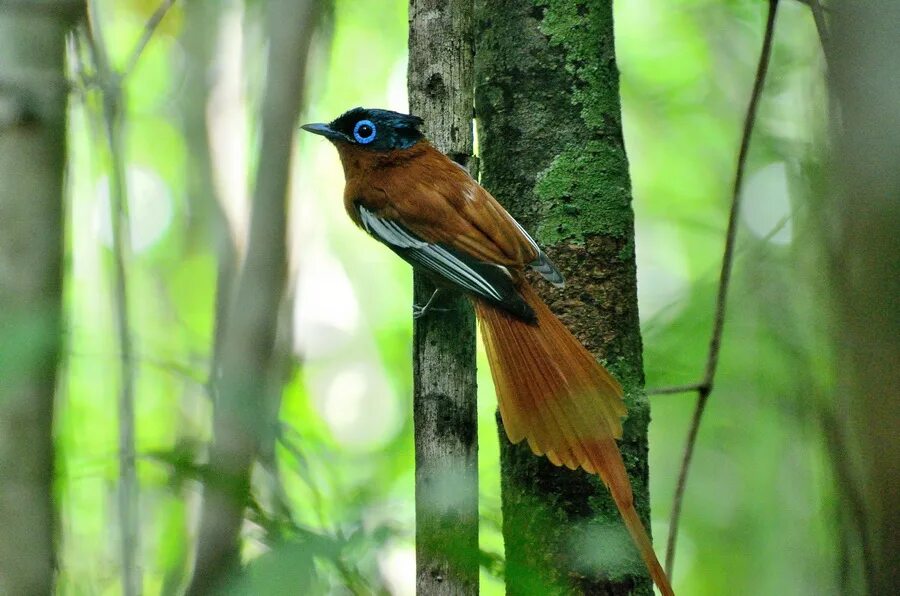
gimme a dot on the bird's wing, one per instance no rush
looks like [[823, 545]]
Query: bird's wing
[[491, 282], [507, 232], [438, 201]]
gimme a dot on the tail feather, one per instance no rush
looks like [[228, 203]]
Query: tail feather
[[553, 394], [608, 460], [556, 409]]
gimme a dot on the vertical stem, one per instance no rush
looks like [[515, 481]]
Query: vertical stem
[[445, 414], [129, 518], [113, 100], [715, 342]]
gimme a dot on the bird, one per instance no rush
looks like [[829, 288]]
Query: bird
[[431, 212]]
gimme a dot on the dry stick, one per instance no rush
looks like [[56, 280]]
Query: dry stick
[[704, 388], [676, 389], [110, 86], [836, 444], [691, 387], [149, 30], [816, 5], [818, 13]]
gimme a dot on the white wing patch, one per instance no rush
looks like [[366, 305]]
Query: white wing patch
[[388, 231], [542, 264], [431, 256], [527, 236]]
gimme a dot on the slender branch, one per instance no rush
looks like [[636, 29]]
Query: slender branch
[[739, 252], [836, 444], [705, 387], [690, 388], [811, 2], [129, 521], [149, 29], [818, 13]]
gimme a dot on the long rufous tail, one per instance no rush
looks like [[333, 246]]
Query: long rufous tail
[[554, 394]]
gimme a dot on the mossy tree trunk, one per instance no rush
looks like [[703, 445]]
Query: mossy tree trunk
[[445, 413], [33, 95], [551, 150]]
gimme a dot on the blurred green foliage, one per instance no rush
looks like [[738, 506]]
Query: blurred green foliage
[[337, 510]]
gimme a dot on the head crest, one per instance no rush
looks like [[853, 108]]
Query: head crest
[[388, 129]]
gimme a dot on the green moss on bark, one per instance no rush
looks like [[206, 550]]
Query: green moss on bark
[[572, 204], [547, 104], [584, 33]]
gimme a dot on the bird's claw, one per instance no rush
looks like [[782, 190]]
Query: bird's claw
[[421, 311]]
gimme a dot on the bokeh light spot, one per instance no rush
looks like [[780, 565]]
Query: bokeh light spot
[[149, 208]]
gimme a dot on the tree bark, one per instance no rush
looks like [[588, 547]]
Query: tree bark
[[551, 149], [445, 413], [33, 94], [862, 225], [247, 351]]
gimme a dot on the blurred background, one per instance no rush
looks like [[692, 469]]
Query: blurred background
[[760, 511]]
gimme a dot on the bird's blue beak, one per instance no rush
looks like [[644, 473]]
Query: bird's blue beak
[[325, 131]]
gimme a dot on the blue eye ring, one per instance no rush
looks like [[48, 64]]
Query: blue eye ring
[[364, 132]]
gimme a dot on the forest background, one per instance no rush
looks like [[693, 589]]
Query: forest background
[[761, 513]]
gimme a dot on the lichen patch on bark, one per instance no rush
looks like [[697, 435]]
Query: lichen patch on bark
[[551, 151]]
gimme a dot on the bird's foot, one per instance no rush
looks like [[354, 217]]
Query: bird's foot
[[421, 311]]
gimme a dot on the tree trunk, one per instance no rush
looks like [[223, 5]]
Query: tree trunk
[[33, 90], [551, 148], [863, 241], [445, 414], [247, 351]]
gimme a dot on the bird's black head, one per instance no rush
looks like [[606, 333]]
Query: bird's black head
[[377, 130]]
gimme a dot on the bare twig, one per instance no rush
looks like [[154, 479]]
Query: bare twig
[[739, 252], [837, 447], [690, 388], [818, 13], [811, 2], [704, 388], [149, 29], [118, 213]]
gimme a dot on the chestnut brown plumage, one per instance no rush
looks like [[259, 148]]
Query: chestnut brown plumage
[[551, 391]]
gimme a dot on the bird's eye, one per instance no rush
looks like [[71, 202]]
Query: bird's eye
[[364, 131]]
